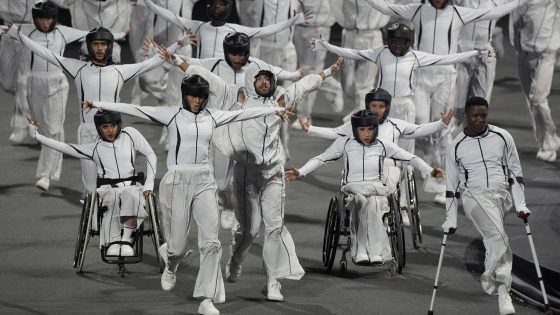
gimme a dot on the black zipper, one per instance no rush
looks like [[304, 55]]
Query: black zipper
[[484, 161], [196, 143]]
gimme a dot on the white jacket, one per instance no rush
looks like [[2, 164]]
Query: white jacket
[[478, 34], [358, 15], [17, 11], [363, 162], [396, 74], [115, 159], [322, 13]]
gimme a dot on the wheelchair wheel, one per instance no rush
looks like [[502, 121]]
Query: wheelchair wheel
[[396, 234], [414, 213], [156, 233], [84, 231], [331, 235]]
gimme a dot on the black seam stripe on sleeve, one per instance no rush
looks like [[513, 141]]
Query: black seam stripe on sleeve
[[459, 15], [80, 152]]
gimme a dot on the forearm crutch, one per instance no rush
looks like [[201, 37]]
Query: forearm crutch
[[431, 310], [547, 309]]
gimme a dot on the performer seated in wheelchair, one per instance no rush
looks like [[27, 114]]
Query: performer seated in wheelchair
[[378, 101], [367, 183], [114, 153]]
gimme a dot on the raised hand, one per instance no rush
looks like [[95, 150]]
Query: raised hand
[[88, 105], [305, 123], [285, 113], [446, 118]]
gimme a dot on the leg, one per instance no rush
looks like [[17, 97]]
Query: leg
[[209, 282], [87, 134]]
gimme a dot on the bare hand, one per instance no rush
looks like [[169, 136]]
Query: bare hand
[[337, 64], [88, 105], [189, 38], [446, 118], [149, 47], [437, 172], [300, 71], [305, 123], [32, 122], [147, 193], [291, 174], [285, 113], [307, 16]]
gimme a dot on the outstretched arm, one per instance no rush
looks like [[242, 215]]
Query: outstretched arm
[[356, 54], [71, 66], [333, 153], [426, 59], [468, 15], [399, 11], [260, 32], [158, 114], [169, 16], [83, 151], [225, 117], [412, 131]]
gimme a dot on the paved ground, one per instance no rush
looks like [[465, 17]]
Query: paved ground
[[39, 231]]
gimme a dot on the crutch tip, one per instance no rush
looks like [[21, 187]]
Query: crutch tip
[[547, 309], [430, 312]]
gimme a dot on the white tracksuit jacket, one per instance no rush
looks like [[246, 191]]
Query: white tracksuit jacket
[[115, 160], [484, 167], [535, 33], [368, 186], [211, 37]]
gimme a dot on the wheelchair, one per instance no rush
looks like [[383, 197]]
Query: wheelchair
[[90, 221], [337, 234], [411, 194]]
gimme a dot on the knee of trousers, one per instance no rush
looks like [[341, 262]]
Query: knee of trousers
[[211, 247]]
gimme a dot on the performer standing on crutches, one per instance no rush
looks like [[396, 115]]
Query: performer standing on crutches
[[483, 161]]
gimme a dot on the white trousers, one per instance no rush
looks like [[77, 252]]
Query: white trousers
[[485, 208], [88, 134], [358, 76], [535, 72], [314, 62], [14, 69], [433, 94], [126, 201], [260, 198], [367, 202], [187, 192], [475, 77], [47, 95]]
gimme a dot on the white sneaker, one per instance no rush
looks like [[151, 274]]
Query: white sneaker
[[113, 250], [361, 258], [548, 156], [405, 219], [271, 289], [376, 259], [440, 198], [207, 308], [227, 219], [233, 271], [126, 250], [504, 301], [168, 279], [43, 183]]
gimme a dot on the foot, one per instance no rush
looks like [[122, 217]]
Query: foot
[[548, 156], [168, 279], [43, 183], [271, 289], [113, 250], [504, 301], [361, 258], [405, 219], [207, 308], [440, 198], [233, 271], [126, 250], [227, 219]]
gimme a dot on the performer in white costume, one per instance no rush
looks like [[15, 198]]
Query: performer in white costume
[[114, 155], [367, 182], [188, 189], [258, 174], [535, 34], [96, 79], [314, 61], [47, 86], [482, 169]]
